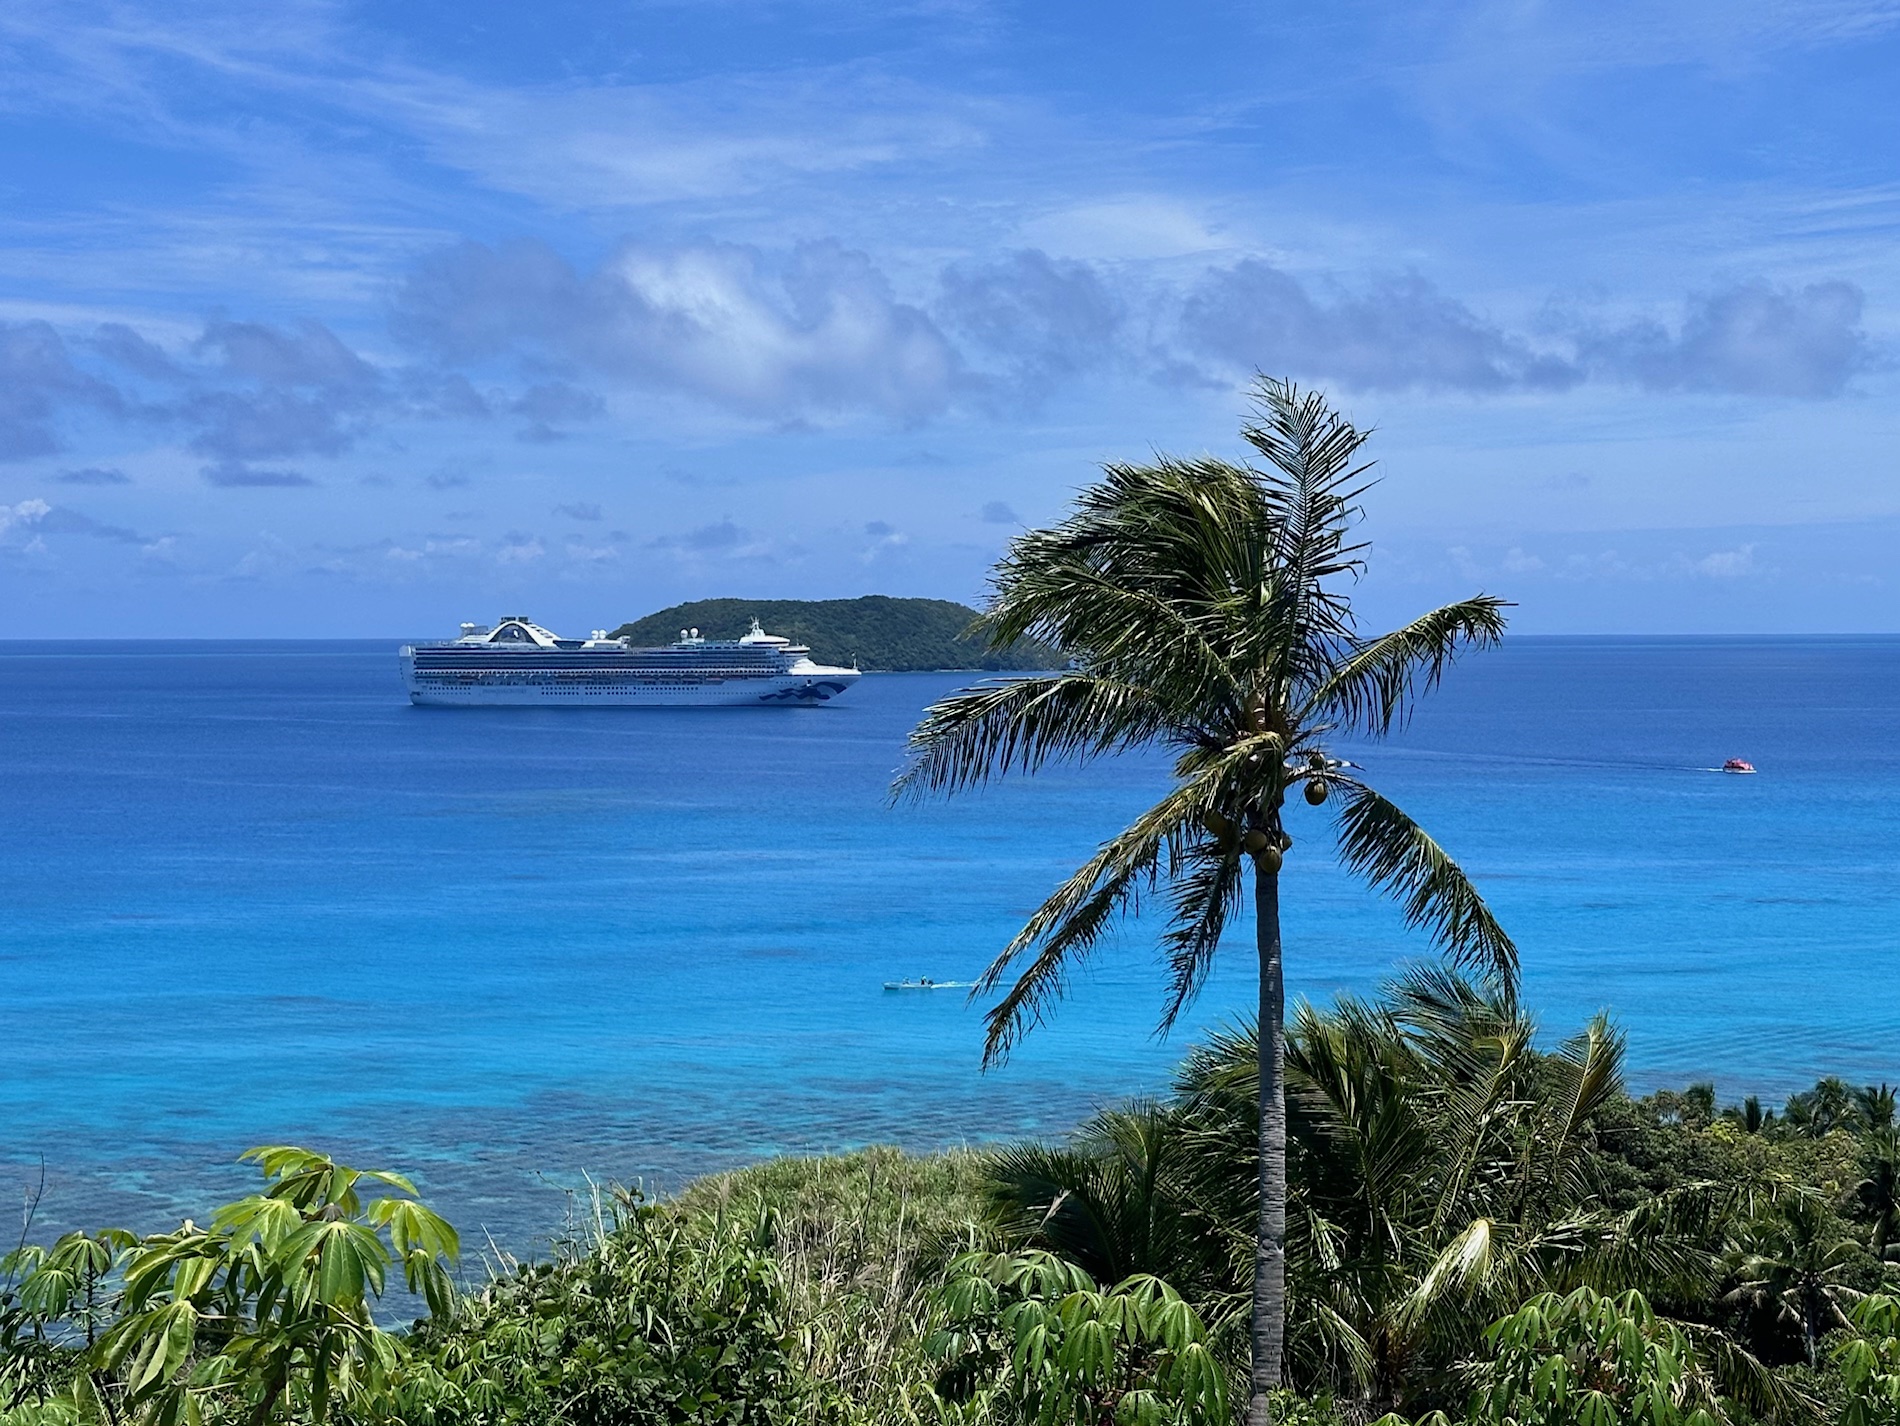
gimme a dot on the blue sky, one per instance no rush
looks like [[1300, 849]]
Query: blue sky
[[365, 319]]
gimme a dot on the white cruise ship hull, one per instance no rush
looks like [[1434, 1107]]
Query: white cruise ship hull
[[782, 691], [519, 664]]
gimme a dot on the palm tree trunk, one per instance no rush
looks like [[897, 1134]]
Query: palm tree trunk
[[1269, 1259]]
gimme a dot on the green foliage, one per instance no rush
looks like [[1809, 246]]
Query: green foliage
[[658, 1318], [1796, 1261], [264, 1315], [1868, 1362], [1588, 1359], [892, 635], [1442, 1171], [1034, 1335], [52, 1305], [1120, 1199], [862, 1242]]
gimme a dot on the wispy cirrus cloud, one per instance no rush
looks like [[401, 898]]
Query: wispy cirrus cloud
[[94, 475], [232, 474]]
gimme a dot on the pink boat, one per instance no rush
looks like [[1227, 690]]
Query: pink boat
[[1738, 765]]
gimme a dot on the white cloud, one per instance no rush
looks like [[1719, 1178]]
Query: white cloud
[[1153, 226], [1517, 561], [1751, 339], [27, 512], [520, 551], [1726, 564], [1401, 333], [811, 333]]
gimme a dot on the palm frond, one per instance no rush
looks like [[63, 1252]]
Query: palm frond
[[1020, 724], [1467, 1267], [1204, 895], [1140, 603], [1743, 1377], [1152, 580], [1373, 686], [1310, 487], [1591, 1067], [1396, 856], [1668, 1243], [1476, 1119], [1070, 922]]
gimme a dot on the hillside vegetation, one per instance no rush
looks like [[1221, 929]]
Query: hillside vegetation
[[1480, 1234], [881, 633]]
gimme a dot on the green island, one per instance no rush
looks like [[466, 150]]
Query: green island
[[877, 632], [1410, 1209]]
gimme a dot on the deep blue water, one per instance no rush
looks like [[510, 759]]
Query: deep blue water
[[247, 894]]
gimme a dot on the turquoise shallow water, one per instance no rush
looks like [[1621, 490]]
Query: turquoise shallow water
[[251, 895]]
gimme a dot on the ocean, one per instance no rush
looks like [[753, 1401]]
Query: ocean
[[249, 895]]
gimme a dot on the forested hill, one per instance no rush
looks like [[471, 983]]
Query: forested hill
[[891, 635]]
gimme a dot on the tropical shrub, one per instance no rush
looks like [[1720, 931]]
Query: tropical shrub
[[1868, 1363], [1031, 1337], [657, 1319], [1442, 1171], [264, 1315], [1591, 1359], [53, 1303]]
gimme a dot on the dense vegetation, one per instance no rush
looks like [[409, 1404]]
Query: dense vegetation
[[1479, 1232], [879, 632]]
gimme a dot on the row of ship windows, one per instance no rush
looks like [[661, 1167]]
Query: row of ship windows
[[604, 680], [616, 665], [571, 692], [614, 675]]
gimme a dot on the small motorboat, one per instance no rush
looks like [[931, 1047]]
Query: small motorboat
[[1738, 765], [926, 983]]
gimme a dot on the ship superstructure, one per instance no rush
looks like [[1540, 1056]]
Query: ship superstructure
[[519, 662]]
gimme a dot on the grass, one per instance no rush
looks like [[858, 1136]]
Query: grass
[[862, 1239]]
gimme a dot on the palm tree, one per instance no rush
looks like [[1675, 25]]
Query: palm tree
[[1879, 1189], [1204, 609], [1797, 1263], [1818, 1112], [1749, 1116], [1877, 1103], [1442, 1171]]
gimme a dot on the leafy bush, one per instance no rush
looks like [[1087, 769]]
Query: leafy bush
[[1589, 1359], [263, 1315], [1034, 1335], [862, 1242], [1869, 1364], [657, 1320]]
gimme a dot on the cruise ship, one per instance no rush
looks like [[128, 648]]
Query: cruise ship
[[519, 662]]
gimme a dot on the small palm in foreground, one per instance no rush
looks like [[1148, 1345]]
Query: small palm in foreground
[[1202, 605]]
